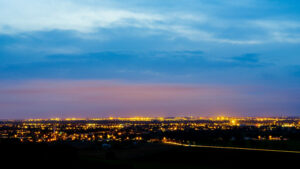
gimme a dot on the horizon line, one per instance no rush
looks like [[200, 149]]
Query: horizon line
[[144, 118]]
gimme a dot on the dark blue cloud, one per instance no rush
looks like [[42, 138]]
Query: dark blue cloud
[[65, 54], [163, 66], [252, 58]]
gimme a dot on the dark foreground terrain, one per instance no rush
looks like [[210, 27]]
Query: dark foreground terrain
[[139, 156]]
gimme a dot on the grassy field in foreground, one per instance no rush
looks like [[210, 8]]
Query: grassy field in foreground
[[141, 156]]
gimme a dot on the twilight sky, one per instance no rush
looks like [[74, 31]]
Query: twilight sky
[[101, 58]]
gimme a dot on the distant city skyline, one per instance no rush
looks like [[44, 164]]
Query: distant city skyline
[[72, 58]]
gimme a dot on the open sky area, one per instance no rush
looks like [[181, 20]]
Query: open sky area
[[101, 58]]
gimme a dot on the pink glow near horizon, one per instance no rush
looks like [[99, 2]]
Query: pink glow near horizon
[[85, 98]]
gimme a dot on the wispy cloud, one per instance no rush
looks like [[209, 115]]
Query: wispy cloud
[[284, 31], [22, 16], [30, 16]]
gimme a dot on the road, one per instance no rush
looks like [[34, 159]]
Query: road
[[230, 148]]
